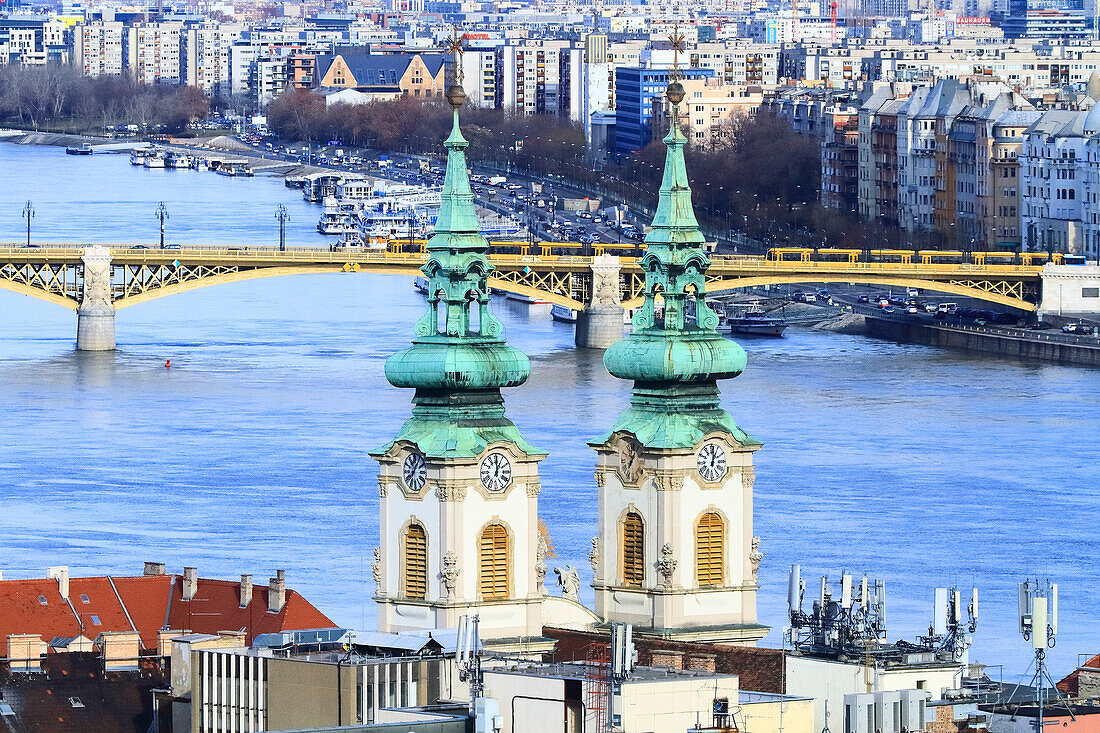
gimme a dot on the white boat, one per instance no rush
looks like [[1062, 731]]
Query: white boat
[[421, 284], [137, 157], [178, 160], [399, 224], [563, 314], [528, 299], [338, 218], [155, 160]]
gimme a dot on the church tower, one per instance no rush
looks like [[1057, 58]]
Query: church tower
[[675, 555], [459, 485]]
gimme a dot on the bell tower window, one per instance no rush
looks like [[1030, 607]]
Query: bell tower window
[[710, 547], [493, 572], [633, 557], [416, 562]]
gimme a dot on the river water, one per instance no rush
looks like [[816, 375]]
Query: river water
[[918, 466]]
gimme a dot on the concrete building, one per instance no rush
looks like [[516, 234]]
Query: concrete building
[[152, 52], [1053, 176], [548, 698], [306, 679], [529, 77], [829, 680], [708, 110], [206, 55], [840, 167], [97, 48]]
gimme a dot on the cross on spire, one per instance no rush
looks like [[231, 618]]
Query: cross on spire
[[676, 40], [453, 46]]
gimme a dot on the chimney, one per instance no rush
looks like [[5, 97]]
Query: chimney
[[154, 568], [276, 592], [190, 583], [246, 590], [61, 575]]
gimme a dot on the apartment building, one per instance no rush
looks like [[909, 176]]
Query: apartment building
[[840, 166], [707, 109], [529, 77], [206, 55], [97, 47], [1028, 64], [636, 90], [1054, 171], [152, 52]]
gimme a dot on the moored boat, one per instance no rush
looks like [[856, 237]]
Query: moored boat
[[563, 314], [82, 149], [755, 322]]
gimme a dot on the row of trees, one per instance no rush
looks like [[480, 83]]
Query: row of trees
[[762, 178], [61, 97]]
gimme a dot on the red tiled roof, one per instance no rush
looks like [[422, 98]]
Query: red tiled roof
[[150, 601], [1068, 685]]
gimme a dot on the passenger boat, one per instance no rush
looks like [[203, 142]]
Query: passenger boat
[[753, 321], [82, 149], [233, 168], [154, 160], [178, 160], [563, 314], [421, 284], [294, 181], [137, 157], [338, 218]]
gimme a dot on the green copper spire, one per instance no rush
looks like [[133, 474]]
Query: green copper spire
[[674, 362], [459, 360]]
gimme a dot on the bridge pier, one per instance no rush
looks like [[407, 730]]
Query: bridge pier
[[1070, 290], [95, 318], [600, 324]]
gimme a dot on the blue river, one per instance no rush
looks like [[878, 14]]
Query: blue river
[[918, 466]]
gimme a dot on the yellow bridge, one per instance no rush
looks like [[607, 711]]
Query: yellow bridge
[[119, 276]]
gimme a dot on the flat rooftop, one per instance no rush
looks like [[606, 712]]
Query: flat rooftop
[[582, 670]]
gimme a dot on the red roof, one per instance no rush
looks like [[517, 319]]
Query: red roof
[[1068, 685], [147, 604]]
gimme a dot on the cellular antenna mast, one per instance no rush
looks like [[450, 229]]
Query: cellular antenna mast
[[1039, 624]]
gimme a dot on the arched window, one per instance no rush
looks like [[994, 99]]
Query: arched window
[[633, 544], [710, 550], [416, 562], [493, 563]]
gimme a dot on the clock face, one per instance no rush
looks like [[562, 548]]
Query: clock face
[[496, 472], [711, 462], [414, 472]]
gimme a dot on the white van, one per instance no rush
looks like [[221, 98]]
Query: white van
[[912, 293], [947, 307]]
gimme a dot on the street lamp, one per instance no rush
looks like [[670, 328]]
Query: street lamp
[[162, 214], [28, 214], [282, 216]]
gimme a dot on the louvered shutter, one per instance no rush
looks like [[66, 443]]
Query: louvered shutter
[[710, 547], [493, 562], [633, 551], [416, 562]]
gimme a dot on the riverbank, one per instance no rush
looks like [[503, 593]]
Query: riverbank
[[1046, 346]]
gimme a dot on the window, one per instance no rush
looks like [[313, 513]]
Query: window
[[42, 600], [710, 553], [633, 559], [416, 562], [493, 563], [96, 621], [84, 598]]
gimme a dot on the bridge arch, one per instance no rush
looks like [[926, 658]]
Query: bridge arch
[[726, 285], [36, 292]]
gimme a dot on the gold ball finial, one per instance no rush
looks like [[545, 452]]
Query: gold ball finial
[[675, 92], [456, 96]]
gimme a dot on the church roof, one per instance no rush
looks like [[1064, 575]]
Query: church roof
[[675, 360], [459, 360]]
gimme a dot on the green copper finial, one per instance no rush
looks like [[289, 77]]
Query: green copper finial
[[459, 360], [674, 361]]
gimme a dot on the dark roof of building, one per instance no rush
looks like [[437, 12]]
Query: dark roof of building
[[759, 669], [74, 694], [380, 69], [146, 604]]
